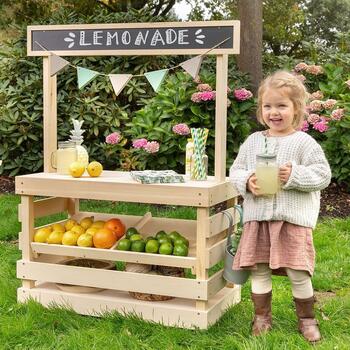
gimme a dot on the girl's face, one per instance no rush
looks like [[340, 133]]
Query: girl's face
[[278, 111]]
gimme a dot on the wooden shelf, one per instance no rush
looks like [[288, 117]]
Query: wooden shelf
[[175, 312], [119, 186]]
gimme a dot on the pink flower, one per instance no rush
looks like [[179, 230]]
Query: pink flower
[[208, 95], [314, 70], [337, 114], [196, 97], [139, 143], [316, 106], [300, 67], [152, 147], [181, 129], [242, 94], [204, 87], [321, 126], [317, 95], [348, 83], [305, 126], [313, 118], [329, 104], [113, 138]]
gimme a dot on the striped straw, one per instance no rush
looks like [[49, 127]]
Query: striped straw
[[199, 136]]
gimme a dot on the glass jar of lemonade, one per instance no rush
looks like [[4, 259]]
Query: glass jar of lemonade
[[267, 174], [65, 155]]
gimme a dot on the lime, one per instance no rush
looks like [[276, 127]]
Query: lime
[[174, 234], [138, 246], [181, 240], [180, 250], [152, 246], [136, 237], [164, 239], [124, 244], [131, 231], [160, 234], [149, 238], [166, 248]]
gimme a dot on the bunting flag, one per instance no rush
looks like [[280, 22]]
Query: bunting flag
[[57, 63], [156, 78], [119, 81], [192, 66], [85, 76]]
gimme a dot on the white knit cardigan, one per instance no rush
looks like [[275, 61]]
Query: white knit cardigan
[[298, 201]]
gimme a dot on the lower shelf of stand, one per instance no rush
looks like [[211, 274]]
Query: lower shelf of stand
[[175, 312]]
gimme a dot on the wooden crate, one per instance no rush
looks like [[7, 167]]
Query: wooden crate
[[198, 302]]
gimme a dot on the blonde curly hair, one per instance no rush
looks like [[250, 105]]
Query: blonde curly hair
[[295, 90]]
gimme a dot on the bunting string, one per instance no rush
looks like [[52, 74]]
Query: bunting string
[[118, 81]]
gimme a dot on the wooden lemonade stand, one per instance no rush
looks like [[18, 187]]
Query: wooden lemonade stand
[[198, 302]]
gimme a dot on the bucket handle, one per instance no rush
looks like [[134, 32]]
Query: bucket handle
[[230, 218]]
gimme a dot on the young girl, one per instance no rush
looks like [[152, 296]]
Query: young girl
[[277, 233]]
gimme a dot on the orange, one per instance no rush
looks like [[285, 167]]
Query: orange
[[116, 226], [104, 238]]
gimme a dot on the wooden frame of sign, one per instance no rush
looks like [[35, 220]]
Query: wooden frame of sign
[[198, 302]]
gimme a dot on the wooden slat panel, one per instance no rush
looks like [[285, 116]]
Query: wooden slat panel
[[117, 280], [215, 254], [114, 255], [219, 222], [48, 206], [216, 283], [223, 192]]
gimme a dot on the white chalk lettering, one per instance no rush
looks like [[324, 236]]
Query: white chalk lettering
[[182, 36], [110, 37], [157, 37], [141, 38], [171, 36], [97, 36], [82, 39], [126, 38]]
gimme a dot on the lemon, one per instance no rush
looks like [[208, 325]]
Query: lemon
[[98, 224], [94, 169], [42, 234], [78, 229], [55, 237], [76, 169], [58, 227], [69, 224], [85, 240], [91, 230], [87, 222], [70, 238]]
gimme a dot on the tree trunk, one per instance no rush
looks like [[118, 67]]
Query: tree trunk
[[250, 58]]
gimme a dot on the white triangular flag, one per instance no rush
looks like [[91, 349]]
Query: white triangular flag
[[119, 81], [56, 64], [156, 78], [192, 66]]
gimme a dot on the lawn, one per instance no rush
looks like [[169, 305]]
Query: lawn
[[30, 326]]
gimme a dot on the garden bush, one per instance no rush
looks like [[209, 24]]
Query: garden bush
[[131, 115]]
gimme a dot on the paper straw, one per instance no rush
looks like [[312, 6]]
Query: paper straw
[[198, 171]]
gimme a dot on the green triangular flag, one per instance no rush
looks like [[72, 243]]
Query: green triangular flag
[[85, 76], [156, 78]]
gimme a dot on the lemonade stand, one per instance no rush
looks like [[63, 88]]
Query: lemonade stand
[[197, 302]]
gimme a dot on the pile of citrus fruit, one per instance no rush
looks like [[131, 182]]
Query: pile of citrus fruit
[[86, 233], [172, 243], [77, 169]]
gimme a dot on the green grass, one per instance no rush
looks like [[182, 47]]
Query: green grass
[[31, 326]]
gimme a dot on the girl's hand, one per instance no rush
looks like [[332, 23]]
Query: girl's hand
[[284, 172], [252, 186]]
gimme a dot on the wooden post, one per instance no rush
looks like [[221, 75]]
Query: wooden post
[[201, 270], [50, 115], [27, 218], [221, 117]]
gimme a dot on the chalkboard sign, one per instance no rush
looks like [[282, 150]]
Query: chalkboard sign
[[134, 39]]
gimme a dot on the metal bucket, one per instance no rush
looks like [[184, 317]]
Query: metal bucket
[[230, 275]]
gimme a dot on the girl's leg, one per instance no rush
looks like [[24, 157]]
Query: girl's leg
[[304, 301], [261, 297]]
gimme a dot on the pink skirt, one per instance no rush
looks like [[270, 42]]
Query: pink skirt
[[277, 243]]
